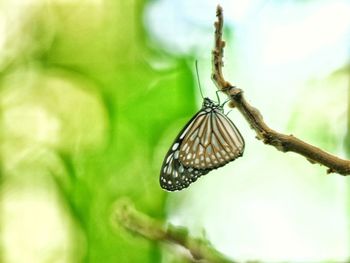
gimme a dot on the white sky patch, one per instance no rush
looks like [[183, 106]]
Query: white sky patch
[[319, 33], [186, 26]]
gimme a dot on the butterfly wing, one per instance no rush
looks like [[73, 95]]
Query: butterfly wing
[[174, 175], [211, 142], [208, 141]]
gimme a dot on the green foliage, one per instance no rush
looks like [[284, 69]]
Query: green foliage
[[112, 108]]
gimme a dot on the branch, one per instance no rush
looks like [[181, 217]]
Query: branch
[[284, 143], [141, 224]]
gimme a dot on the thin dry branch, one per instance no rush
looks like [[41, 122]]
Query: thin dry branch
[[141, 224], [284, 143]]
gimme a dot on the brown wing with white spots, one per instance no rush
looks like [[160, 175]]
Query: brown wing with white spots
[[208, 141], [174, 175], [211, 142]]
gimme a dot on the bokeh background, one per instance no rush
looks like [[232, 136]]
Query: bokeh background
[[92, 94]]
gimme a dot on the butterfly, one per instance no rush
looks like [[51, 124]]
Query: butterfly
[[208, 141]]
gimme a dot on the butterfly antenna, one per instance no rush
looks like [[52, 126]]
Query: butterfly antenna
[[199, 83], [223, 104], [217, 96]]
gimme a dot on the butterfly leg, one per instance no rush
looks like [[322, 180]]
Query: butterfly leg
[[225, 102]]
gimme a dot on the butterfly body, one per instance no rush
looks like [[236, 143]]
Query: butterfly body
[[208, 141]]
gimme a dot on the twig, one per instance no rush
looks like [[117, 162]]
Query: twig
[[284, 143], [136, 222]]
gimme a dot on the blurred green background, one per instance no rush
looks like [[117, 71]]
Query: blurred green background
[[94, 92]]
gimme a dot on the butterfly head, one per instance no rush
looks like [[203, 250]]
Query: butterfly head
[[209, 104]]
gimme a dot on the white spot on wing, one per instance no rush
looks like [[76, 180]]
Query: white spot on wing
[[201, 149], [175, 146], [209, 149], [181, 169]]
